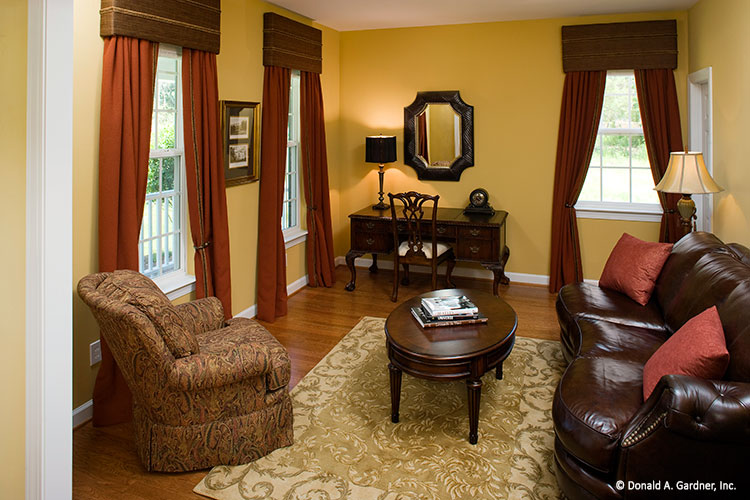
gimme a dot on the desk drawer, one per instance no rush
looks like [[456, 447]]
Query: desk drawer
[[477, 233], [372, 242], [443, 231], [478, 250], [371, 226]]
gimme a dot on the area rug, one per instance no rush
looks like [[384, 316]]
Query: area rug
[[346, 446]]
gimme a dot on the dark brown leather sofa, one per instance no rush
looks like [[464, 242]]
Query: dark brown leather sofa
[[611, 444]]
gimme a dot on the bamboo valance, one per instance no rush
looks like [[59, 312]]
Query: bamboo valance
[[638, 45], [194, 24], [289, 44]]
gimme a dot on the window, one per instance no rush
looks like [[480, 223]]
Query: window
[[619, 183], [162, 240], [290, 216]]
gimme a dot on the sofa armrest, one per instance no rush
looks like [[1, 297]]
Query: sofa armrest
[[704, 410], [214, 369], [689, 429], [202, 315]]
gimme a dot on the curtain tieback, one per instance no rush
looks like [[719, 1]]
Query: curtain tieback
[[202, 247], [670, 211], [568, 205], [312, 208]]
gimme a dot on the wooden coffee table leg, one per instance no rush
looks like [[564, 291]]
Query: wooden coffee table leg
[[499, 372], [474, 388], [395, 375]]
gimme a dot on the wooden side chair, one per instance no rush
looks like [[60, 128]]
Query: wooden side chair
[[415, 249]]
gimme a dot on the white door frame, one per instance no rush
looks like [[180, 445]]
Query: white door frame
[[700, 136], [49, 255]]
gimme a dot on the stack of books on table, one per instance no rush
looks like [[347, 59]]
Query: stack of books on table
[[447, 311]]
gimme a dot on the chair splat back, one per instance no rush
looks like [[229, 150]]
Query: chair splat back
[[413, 211], [418, 224]]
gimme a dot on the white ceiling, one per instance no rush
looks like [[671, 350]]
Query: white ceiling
[[349, 15]]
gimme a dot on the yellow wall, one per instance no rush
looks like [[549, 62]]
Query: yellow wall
[[511, 72], [13, 253], [719, 38], [240, 78]]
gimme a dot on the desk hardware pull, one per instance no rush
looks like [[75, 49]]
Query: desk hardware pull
[[370, 225], [370, 241], [475, 232], [474, 249], [441, 229]]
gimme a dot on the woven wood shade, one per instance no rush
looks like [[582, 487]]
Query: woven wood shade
[[289, 44], [639, 45], [194, 24]]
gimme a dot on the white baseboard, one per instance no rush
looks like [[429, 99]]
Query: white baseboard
[[464, 272], [83, 413], [252, 311]]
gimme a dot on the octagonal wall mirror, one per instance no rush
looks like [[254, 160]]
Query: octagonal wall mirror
[[439, 135]]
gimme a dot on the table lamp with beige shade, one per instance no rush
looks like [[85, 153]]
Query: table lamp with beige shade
[[687, 175]]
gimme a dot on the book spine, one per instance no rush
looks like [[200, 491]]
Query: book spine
[[458, 322], [451, 312]]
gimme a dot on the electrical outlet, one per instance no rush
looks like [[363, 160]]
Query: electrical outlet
[[95, 353]]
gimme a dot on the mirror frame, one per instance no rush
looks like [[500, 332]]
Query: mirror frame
[[465, 111]]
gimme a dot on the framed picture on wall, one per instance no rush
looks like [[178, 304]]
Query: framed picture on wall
[[240, 128]]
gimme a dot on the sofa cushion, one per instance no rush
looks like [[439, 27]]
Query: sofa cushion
[[584, 300], [633, 267], [603, 338], [685, 253], [697, 349], [137, 290], [602, 389]]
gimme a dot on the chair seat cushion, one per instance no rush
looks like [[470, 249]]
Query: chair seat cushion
[[602, 389], [140, 292], [403, 248]]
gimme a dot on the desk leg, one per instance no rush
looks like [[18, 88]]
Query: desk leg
[[395, 375], [350, 256], [474, 388], [374, 266], [498, 270]]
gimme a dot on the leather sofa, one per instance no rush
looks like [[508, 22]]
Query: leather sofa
[[691, 432]]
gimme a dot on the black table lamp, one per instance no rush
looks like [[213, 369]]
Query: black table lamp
[[380, 149]]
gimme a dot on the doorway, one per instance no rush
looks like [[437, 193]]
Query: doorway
[[700, 137]]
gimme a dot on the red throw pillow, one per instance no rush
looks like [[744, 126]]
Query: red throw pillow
[[633, 266], [697, 349]]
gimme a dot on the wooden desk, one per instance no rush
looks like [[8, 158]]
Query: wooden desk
[[475, 238]]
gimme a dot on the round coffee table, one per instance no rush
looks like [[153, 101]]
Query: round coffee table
[[450, 352]]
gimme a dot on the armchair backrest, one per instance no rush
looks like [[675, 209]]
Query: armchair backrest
[[412, 208]]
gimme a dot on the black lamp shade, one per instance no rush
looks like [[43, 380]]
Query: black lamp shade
[[380, 148]]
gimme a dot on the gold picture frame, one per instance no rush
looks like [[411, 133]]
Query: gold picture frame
[[240, 129]]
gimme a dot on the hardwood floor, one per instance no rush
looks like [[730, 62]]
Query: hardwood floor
[[105, 465]]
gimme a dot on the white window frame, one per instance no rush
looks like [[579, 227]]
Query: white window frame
[[295, 234], [179, 282], [643, 212]]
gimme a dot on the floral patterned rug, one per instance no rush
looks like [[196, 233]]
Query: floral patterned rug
[[347, 448]]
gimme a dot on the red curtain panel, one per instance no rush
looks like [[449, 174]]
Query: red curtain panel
[[271, 251], [660, 114], [320, 261], [128, 73], [204, 171], [581, 109]]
